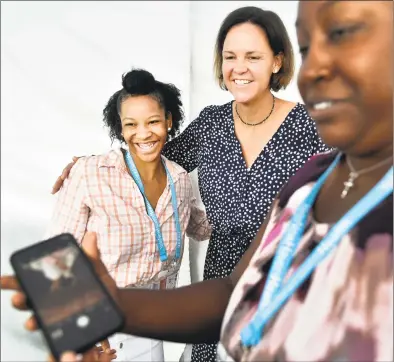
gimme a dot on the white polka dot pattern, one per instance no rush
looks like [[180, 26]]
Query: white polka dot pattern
[[236, 198]]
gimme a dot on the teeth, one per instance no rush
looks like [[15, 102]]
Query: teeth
[[146, 146], [241, 81], [322, 105]]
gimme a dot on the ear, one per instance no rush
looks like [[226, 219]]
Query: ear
[[278, 62], [169, 121]]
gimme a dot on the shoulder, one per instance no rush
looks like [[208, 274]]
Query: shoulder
[[306, 126], [174, 168], [215, 112], [303, 116], [214, 117], [309, 172], [177, 172], [179, 176], [217, 109], [88, 164]]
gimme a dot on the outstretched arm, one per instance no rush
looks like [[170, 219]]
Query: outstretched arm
[[191, 314]]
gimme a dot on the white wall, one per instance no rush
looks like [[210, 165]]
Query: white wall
[[60, 63]]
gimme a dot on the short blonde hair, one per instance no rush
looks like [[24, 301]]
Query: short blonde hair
[[277, 36]]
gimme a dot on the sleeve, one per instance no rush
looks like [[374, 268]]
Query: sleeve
[[198, 227], [318, 146], [184, 149], [71, 213]]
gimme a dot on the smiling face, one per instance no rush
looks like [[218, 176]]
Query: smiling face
[[144, 127], [248, 62], [346, 74]]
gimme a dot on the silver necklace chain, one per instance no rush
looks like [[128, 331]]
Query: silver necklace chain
[[354, 174], [256, 124]]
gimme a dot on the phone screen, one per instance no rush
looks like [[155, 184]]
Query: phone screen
[[73, 308]]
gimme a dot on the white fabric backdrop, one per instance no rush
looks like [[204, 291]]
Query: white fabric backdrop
[[60, 63]]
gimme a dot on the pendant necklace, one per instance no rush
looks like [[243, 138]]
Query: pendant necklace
[[353, 175]]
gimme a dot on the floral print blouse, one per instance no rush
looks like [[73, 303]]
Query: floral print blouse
[[344, 311]]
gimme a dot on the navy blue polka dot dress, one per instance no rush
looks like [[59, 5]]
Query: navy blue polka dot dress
[[236, 198]]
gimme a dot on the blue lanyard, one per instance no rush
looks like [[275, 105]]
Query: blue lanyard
[[275, 294], [152, 214]]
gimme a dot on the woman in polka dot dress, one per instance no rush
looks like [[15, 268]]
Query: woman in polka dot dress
[[247, 149]]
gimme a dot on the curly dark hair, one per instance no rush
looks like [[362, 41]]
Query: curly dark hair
[[140, 82]]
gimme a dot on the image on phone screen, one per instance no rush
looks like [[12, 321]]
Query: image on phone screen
[[72, 305]]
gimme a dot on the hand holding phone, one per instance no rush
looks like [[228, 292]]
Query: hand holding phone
[[74, 300]]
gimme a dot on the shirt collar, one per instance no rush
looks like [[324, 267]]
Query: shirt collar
[[115, 159]]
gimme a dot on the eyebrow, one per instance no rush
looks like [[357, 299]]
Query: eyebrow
[[324, 7], [132, 119], [249, 52]]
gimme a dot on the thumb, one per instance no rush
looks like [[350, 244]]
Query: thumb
[[89, 246], [70, 357]]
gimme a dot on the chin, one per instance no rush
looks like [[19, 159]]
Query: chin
[[337, 138], [147, 158], [243, 98]]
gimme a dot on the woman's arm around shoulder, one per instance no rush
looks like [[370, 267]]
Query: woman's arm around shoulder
[[71, 213]]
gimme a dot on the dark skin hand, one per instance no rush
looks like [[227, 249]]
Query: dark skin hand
[[191, 314]]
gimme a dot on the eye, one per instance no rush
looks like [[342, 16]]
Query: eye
[[254, 58], [154, 121], [130, 124], [304, 51], [340, 33], [229, 57]]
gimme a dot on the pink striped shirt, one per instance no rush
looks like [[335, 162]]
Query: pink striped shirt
[[99, 195]]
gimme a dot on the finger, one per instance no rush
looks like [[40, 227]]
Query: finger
[[18, 301], [104, 357], [51, 358], [67, 170], [58, 184], [105, 345], [110, 351], [71, 357], [31, 324], [9, 282], [59, 181]]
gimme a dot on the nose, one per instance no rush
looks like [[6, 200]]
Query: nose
[[316, 65], [240, 67], [143, 132]]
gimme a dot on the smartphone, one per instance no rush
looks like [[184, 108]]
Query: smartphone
[[73, 308]]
